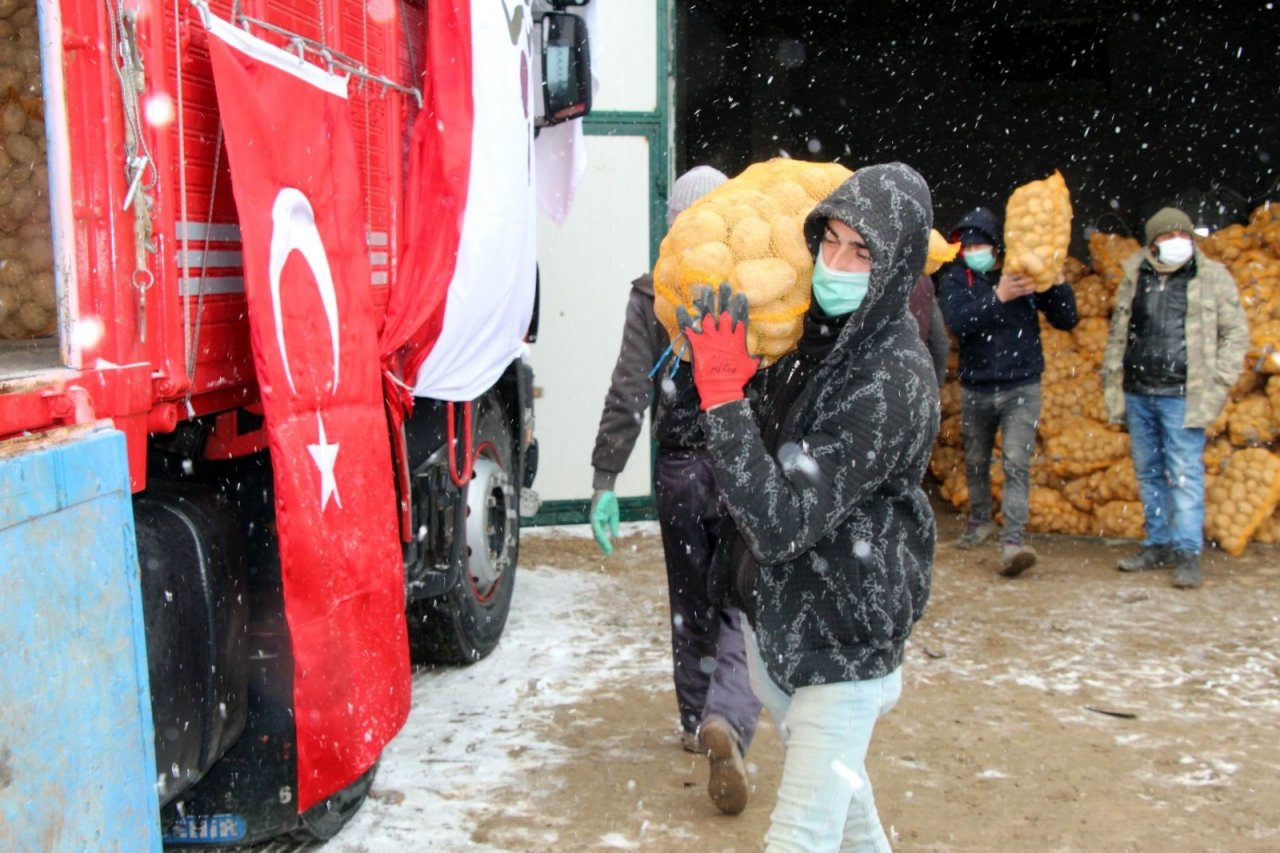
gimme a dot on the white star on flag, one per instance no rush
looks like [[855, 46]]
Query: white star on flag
[[325, 454]]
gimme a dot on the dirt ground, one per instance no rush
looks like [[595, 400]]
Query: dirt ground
[[1074, 708]]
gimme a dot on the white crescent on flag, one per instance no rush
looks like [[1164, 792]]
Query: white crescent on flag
[[294, 230]]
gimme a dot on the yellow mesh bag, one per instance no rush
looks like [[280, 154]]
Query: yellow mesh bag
[[1091, 338], [1216, 454], [949, 398], [940, 252], [1050, 512], [1037, 229], [949, 432], [945, 460], [1107, 252], [749, 231], [1084, 446], [1269, 531], [1081, 492], [1093, 297], [1121, 519], [1242, 498], [1251, 422], [1117, 482]]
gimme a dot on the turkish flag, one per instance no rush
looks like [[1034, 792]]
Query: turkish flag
[[314, 332]]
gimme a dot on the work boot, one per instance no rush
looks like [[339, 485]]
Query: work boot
[[728, 782], [1187, 574], [975, 534], [1016, 558], [1150, 557], [689, 742]]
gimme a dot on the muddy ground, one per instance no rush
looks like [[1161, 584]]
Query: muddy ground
[[1072, 709]]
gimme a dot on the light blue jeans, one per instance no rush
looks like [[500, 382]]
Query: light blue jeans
[[825, 802], [1169, 461]]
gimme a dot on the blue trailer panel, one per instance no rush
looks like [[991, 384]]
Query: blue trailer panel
[[77, 761]]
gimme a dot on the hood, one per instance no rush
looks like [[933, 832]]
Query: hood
[[890, 206], [644, 284], [983, 220]]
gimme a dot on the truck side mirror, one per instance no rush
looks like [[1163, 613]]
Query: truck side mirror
[[566, 68]]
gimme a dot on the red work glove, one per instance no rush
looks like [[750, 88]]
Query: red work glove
[[718, 336]]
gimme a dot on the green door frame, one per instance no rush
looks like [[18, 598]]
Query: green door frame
[[655, 127]]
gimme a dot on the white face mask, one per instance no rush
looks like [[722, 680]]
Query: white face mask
[[1175, 250]]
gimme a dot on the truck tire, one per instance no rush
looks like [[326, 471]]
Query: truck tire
[[464, 624]]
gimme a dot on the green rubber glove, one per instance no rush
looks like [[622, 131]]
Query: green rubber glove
[[604, 518]]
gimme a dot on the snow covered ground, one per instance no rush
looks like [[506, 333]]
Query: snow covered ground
[[468, 736]]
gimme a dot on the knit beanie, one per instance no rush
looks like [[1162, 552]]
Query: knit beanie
[[1167, 219], [690, 187]]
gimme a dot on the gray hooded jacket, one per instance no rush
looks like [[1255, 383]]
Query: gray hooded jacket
[[843, 533]]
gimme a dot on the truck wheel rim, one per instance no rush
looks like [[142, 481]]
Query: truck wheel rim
[[489, 504]]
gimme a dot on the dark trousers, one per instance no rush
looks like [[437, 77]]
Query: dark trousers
[[1016, 413], [708, 654]]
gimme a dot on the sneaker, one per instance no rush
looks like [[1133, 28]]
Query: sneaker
[[975, 534], [1150, 557], [728, 782], [1187, 575], [1016, 558], [689, 742]]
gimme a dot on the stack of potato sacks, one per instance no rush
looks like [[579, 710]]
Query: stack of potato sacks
[[1083, 481], [27, 301]]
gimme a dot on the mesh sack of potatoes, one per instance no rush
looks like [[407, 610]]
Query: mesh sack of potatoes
[[1107, 252], [1265, 223], [955, 489], [1065, 365], [949, 398], [1065, 399], [950, 431], [1091, 337], [1084, 445], [1074, 270], [1216, 454], [1227, 244], [1037, 229], [1082, 492], [1264, 345], [749, 231], [1054, 341], [1269, 531], [1251, 422], [940, 252], [945, 460], [1247, 383], [1118, 482], [1093, 297], [1242, 498], [1272, 388], [1121, 519], [1049, 512], [27, 298]]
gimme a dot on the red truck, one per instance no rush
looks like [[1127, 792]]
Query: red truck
[[128, 271]]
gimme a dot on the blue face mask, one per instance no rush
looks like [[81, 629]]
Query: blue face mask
[[837, 292], [979, 260]]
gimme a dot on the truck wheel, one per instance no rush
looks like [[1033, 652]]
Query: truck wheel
[[465, 624]]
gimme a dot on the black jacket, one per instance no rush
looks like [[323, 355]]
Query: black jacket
[[840, 531], [1155, 357], [999, 341]]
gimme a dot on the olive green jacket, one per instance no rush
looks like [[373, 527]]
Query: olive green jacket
[[1217, 339]]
